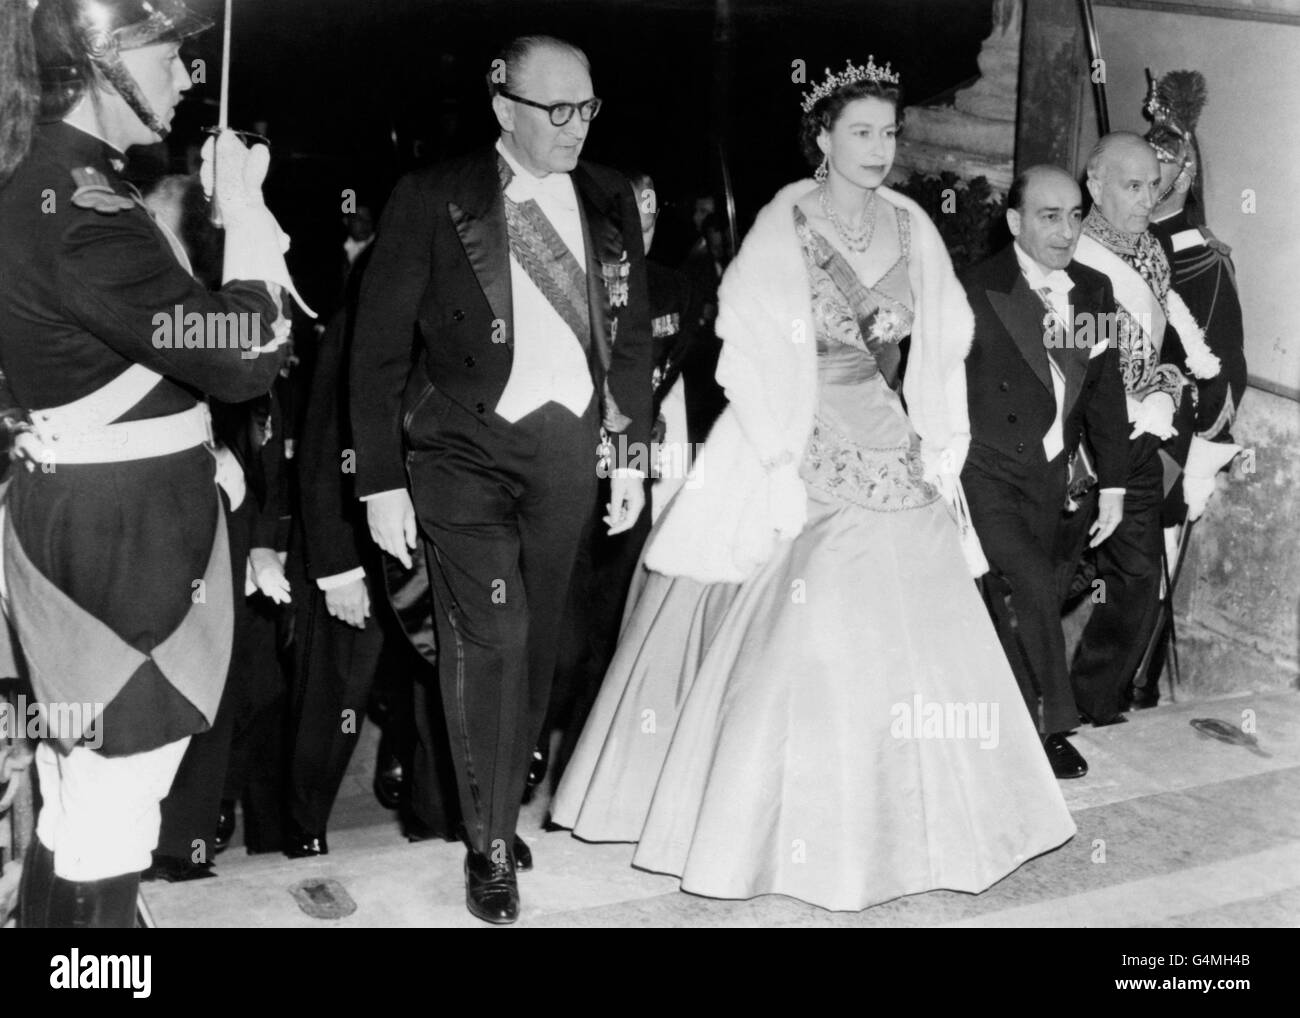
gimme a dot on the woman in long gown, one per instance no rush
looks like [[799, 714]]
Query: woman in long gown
[[808, 697]]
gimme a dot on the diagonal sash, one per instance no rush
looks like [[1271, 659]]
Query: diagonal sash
[[548, 261], [888, 357]]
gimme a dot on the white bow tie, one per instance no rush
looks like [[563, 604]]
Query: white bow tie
[[1056, 281], [555, 189]]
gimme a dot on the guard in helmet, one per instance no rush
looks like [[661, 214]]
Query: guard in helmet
[[1203, 273], [115, 577]]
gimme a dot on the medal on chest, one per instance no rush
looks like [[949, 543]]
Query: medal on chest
[[616, 276]]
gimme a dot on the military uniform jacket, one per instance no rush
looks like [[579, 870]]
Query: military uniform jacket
[[1204, 277], [118, 575]]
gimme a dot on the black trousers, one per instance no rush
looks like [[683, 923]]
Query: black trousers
[[503, 508], [1128, 566], [334, 670], [258, 690], [1018, 519]]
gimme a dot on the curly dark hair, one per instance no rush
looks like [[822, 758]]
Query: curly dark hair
[[827, 111]]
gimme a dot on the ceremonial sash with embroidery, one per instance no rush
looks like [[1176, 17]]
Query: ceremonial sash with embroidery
[[888, 357], [548, 261]]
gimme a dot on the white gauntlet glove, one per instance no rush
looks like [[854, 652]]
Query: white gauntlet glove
[[255, 244], [1204, 461]]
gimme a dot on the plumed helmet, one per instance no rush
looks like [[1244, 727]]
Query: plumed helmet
[[1174, 103]]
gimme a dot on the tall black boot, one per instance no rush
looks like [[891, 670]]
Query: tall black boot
[[36, 886], [107, 904]]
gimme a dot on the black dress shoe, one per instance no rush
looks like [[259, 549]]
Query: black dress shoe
[[1066, 761], [491, 889], [302, 845], [225, 827], [536, 769], [388, 778], [176, 869], [1117, 718], [523, 855], [388, 786]]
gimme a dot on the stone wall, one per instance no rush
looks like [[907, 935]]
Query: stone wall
[[1238, 603], [1237, 606]]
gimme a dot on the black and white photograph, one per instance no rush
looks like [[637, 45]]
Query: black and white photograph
[[650, 464]]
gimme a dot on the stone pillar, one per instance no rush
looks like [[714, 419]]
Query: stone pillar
[[975, 136], [1054, 84]]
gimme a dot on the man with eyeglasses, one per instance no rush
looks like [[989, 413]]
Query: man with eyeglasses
[[520, 273]]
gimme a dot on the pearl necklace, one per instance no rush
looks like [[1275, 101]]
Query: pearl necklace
[[858, 240]]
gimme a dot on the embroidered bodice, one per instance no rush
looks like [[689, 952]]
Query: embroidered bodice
[[870, 315], [862, 450]]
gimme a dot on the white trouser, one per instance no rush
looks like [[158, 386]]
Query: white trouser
[[101, 814]]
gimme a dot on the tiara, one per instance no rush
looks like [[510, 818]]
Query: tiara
[[849, 76]]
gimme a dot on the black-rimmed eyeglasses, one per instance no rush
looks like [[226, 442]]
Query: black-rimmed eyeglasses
[[561, 113]]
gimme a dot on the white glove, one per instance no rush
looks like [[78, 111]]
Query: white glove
[[1204, 461], [255, 244], [941, 467], [1196, 493], [1153, 416], [266, 567], [238, 171], [230, 475], [31, 450], [787, 501]]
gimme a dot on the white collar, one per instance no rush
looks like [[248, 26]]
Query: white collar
[[524, 185], [1055, 280]]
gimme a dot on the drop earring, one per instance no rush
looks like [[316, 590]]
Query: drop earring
[[823, 171]]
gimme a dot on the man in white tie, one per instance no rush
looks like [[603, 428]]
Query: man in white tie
[[1041, 373], [519, 273], [1158, 338]]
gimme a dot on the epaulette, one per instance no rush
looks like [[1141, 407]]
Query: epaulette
[[95, 192]]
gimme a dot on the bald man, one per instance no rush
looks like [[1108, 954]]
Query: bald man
[[1040, 375], [1154, 329]]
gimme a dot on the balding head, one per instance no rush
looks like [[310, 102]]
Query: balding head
[[1124, 180], [1044, 214], [540, 72]]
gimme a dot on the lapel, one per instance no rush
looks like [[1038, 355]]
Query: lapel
[[1021, 314], [480, 221], [1075, 359], [603, 237]]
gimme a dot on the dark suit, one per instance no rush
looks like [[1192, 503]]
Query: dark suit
[[1016, 495], [502, 504], [335, 663]]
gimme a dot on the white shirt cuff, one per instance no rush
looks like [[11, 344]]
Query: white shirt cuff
[[341, 579], [1112, 491], [379, 494]]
